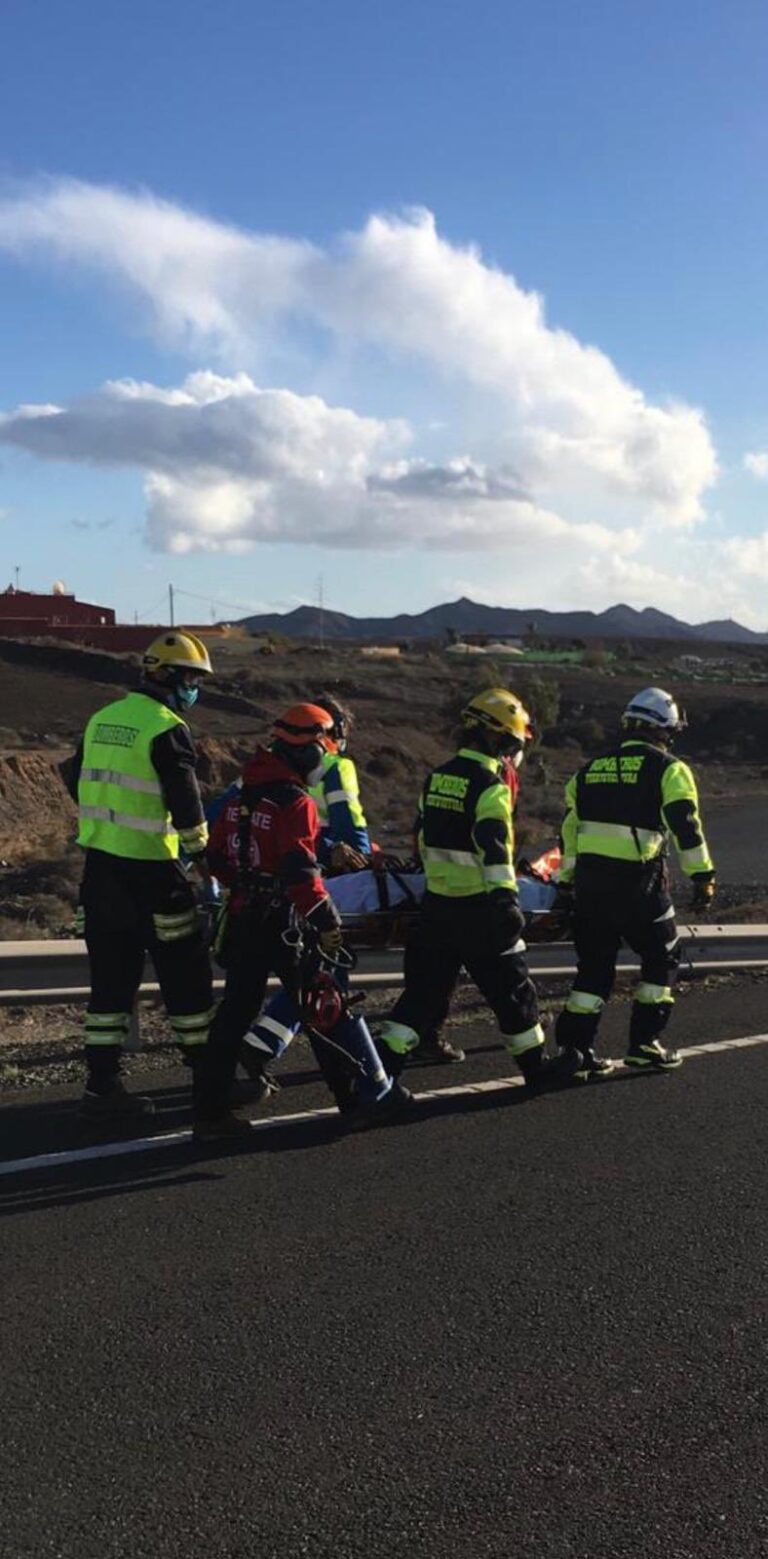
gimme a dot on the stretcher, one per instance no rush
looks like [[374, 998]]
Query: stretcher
[[377, 908]]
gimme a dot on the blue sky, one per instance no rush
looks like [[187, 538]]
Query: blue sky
[[426, 430]]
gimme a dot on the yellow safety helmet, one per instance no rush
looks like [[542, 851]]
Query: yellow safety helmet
[[178, 649], [501, 711]]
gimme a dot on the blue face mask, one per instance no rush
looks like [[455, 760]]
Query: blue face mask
[[184, 697]]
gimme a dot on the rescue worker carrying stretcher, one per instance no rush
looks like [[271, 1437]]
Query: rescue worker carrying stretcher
[[344, 843], [264, 850], [620, 809], [133, 777], [470, 915]]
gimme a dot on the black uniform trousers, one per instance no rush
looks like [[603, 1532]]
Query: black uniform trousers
[[616, 903], [452, 934], [253, 949], [131, 909]]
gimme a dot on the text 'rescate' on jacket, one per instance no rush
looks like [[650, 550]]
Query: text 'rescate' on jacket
[[268, 832]]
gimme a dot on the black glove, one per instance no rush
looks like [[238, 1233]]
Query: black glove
[[507, 922], [704, 890]]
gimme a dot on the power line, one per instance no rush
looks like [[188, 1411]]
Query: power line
[[237, 606], [150, 609], [192, 595]]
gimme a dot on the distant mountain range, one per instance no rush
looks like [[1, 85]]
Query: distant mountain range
[[465, 616]]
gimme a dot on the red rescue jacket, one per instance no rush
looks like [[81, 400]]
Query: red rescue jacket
[[281, 843]]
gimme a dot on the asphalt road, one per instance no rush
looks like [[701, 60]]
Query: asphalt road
[[738, 837], [507, 1329]]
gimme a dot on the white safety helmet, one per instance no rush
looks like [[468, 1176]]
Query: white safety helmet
[[655, 708]]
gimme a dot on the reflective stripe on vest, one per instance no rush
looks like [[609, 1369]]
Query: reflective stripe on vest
[[466, 872], [457, 799], [339, 771], [618, 841], [121, 804], [457, 873], [125, 781], [147, 825]]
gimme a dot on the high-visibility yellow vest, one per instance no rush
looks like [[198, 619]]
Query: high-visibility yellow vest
[[120, 798], [457, 797], [623, 805], [338, 784]]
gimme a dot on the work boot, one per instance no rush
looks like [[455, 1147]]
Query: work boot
[[115, 1104], [593, 1065], [225, 1128], [259, 1085], [545, 1074], [253, 1091], [438, 1050], [652, 1058], [396, 1105]]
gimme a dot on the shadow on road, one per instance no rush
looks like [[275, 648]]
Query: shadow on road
[[75, 1184], [185, 1163]]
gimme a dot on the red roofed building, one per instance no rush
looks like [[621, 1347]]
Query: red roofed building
[[24, 614]]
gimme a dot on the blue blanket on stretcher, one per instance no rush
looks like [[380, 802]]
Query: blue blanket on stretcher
[[362, 893]]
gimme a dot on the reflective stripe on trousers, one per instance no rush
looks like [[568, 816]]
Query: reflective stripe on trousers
[[649, 995], [584, 1002], [192, 1028], [174, 928], [530, 1039], [107, 1028]]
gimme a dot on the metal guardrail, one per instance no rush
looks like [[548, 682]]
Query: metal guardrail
[[55, 973]]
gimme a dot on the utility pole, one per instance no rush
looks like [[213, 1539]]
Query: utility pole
[[170, 604], [17, 571], [321, 607]]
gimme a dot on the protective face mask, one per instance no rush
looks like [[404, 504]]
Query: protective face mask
[[184, 697], [516, 760]]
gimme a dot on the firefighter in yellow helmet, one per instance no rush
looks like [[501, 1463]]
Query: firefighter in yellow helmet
[[470, 916], [134, 781]]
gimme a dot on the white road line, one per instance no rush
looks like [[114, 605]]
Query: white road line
[[172, 1139]]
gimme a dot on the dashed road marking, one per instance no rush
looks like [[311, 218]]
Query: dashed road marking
[[172, 1139]]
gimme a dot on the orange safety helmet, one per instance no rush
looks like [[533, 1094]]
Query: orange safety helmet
[[304, 723]]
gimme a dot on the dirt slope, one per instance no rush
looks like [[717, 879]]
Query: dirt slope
[[405, 711]]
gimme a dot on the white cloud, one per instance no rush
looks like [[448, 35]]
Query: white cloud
[[207, 424], [227, 464], [567, 420], [702, 590], [747, 556], [694, 585], [757, 463]]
